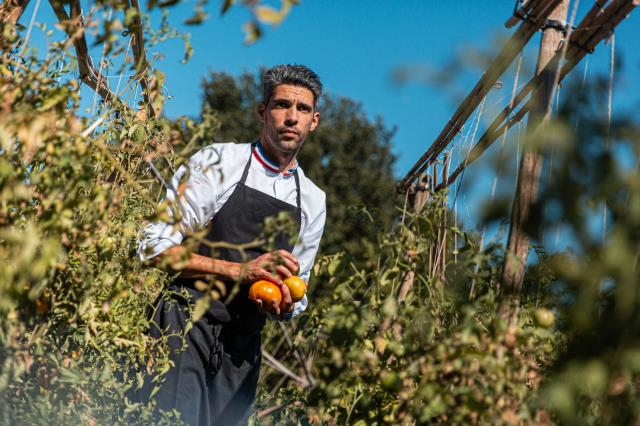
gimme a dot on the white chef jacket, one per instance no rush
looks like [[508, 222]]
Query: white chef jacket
[[214, 172]]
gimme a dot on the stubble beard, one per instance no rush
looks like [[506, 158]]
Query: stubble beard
[[286, 146]]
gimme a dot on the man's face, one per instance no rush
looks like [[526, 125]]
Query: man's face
[[288, 117]]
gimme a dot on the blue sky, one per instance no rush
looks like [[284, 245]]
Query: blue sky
[[355, 46]]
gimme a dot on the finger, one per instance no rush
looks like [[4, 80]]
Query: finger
[[288, 263], [283, 271], [276, 265], [280, 258], [258, 303], [288, 256], [287, 303], [286, 296], [267, 275], [263, 261], [275, 307]]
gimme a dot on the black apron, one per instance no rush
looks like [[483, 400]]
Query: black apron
[[214, 379]]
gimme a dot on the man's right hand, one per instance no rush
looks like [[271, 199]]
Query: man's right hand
[[273, 266]]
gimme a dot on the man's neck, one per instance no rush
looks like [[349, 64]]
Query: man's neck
[[284, 160]]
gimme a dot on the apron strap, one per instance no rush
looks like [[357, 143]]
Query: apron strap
[[245, 173], [295, 175]]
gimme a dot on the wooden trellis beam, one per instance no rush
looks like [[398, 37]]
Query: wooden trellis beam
[[74, 27], [540, 11], [596, 26]]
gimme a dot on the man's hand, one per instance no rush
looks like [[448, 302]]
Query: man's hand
[[286, 305], [273, 266]]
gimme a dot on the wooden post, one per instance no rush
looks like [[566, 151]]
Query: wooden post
[[529, 177], [422, 193]]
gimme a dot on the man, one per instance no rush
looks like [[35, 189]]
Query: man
[[231, 189]]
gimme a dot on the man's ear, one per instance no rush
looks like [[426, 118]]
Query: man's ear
[[314, 121], [261, 109]]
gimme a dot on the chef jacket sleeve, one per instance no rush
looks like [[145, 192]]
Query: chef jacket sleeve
[[192, 193]]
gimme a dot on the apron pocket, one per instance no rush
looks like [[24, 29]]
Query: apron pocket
[[241, 346]]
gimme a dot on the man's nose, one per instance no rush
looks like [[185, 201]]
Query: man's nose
[[292, 117]]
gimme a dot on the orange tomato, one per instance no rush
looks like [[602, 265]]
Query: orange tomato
[[297, 287], [266, 291]]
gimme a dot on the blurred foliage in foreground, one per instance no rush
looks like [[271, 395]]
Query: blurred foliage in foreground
[[74, 299], [443, 356]]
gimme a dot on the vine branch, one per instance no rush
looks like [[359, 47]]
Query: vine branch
[[140, 56]]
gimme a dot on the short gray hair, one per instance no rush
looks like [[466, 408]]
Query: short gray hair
[[296, 75]]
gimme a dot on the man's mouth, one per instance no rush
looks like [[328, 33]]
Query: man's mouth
[[288, 132]]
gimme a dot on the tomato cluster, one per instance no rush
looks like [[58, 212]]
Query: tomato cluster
[[269, 293]]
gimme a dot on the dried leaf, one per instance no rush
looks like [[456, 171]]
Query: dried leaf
[[252, 32], [168, 3], [196, 18], [201, 307], [225, 6], [268, 15]]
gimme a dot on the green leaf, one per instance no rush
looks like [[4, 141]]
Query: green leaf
[[559, 398], [56, 98], [334, 264], [129, 16], [390, 307]]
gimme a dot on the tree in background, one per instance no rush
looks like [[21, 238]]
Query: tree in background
[[348, 156]]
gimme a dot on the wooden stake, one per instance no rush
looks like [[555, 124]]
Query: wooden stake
[[445, 176], [436, 262], [407, 285], [420, 198], [529, 176], [422, 193]]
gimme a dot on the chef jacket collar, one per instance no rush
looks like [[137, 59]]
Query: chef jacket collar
[[270, 165]]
